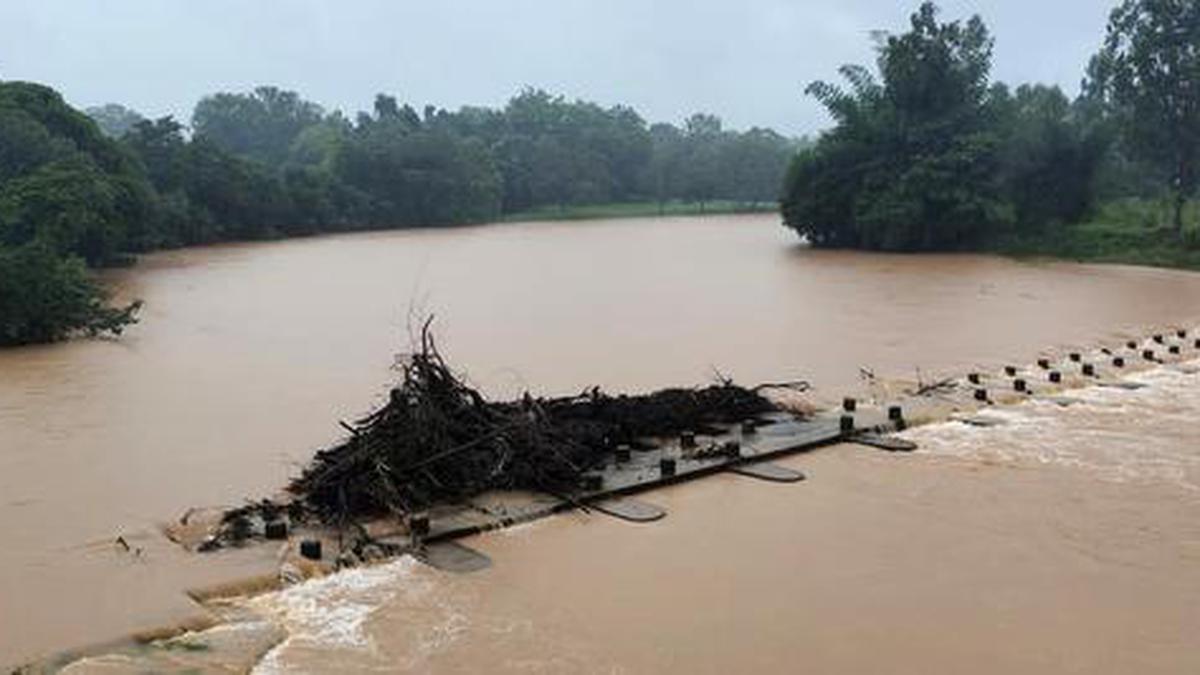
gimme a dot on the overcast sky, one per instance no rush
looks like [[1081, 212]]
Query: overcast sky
[[745, 60]]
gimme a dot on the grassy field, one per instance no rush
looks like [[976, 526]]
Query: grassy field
[[1135, 232], [638, 210]]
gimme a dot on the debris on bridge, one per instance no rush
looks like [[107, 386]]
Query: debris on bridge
[[437, 440]]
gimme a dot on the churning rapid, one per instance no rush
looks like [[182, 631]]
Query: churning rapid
[[1064, 538]]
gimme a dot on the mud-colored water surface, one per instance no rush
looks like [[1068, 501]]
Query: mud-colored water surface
[[1067, 551]]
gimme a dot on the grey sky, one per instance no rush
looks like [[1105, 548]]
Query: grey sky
[[745, 60]]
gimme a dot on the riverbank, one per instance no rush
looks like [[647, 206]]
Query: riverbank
[[640, 210], [1128, 232], [1132, 232]]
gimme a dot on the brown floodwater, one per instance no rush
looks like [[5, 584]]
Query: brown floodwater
[[992, 553]]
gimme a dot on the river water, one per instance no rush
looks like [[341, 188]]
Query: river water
[[1066, 540]]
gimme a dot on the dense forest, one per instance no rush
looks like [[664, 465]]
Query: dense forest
[[91, 190], [927, 153]]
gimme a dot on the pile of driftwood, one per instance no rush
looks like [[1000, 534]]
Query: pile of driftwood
[[437, 440]]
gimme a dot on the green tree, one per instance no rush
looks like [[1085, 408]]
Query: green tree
[[64, 183], [912, 161], [114, 119], [662, 174], [701, 172], [402, 172], [69, 206], [160, 146], [753, 164], [47, 108], [261, 124], [1148, 71], [26, 144], [317, 145], [44, 297], [553, 151], [242, 199], [1050, 154]]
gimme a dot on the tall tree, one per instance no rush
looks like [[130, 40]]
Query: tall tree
[[662, 173], [67, 193], [64, 183], [159, 144], [261, 124], [1050, 154], [911, 162], [753, 163], [1149, 70], [703, 141]]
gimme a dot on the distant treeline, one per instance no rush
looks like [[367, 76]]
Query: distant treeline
[[928, 154], [269, 163], [92, 189]]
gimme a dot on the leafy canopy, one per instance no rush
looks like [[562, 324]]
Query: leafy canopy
[[1148, 73], [929, 155]]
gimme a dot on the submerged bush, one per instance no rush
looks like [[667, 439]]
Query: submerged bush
[[44, 298]]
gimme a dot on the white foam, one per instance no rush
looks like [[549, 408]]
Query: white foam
[[1118, 434], [333, 614], [330, 612]]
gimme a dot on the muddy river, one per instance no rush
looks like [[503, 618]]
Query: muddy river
[[1065, 540]]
